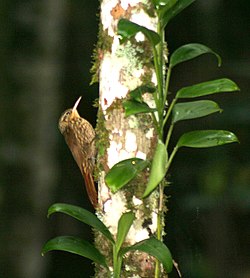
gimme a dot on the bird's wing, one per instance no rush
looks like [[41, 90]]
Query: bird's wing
[[82, 163]]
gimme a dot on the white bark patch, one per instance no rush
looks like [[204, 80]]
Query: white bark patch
[[141, 155], [136, 201], [103, 191], [116, 44], [150, 133], [145, 20], [140, 37], [106, 18], [130, 141], [137, 232], [154, 78], [113, 88], [153, 226], [114, 153], [125, 155], [113, 209]]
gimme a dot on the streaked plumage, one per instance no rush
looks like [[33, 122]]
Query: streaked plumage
[[80, 138]]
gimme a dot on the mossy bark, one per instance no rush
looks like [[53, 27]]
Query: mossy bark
[[122, 68]]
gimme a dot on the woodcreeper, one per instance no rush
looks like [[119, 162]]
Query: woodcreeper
[[80, 138]]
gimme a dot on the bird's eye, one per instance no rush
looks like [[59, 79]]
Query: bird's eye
[[66, 115]]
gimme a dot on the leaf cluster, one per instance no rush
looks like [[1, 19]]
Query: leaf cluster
[[76, 245], [124, 171]]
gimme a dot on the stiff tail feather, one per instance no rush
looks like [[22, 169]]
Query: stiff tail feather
[[90, 187]]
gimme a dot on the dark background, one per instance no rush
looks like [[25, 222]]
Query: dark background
[[45, 58]]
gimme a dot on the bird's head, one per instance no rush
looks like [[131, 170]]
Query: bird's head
[[67, 116]]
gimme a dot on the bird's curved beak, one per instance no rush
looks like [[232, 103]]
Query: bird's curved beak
[[74, 111]]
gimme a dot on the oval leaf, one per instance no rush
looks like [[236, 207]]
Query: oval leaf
[[190, 51], [173, 10], [77, 246], [124, 225], [206, 138], [194, 109], [128, 29], [208, 88], [158, 169], [123, 172], [82, 215], [155, 248], [134, 107]]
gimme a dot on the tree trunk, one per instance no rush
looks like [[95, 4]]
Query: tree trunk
[[123, 68]]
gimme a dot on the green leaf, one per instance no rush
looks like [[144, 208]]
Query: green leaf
[[128, 29], [206, 138], [77, 246], [123, 172], [190, 51], [137, 93], [124, 225], [155, 248], [133, 107], [136, 105], [82, 215], [194, 109], [159, 3], [208, 88], [164, 9], [175, 9], [158, 169]]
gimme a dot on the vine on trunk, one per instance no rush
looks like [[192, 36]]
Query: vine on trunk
[[165, 115]]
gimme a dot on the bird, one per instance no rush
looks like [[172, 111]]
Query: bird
[[79, 135]]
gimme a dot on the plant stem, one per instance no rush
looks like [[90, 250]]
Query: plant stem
[[159, 69], [169, 111], [169, 135], [158, 95], [167, 84], [117, 263], [171, 157], [156, 122], [160, 210], [160, 216], [157, 269]]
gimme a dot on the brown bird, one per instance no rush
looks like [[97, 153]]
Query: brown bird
[[80, 138]]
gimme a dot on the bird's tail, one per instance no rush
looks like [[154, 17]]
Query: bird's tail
[[90, 187]]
